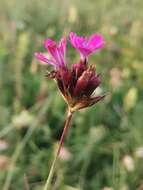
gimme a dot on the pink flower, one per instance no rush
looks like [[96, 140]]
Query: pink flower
[[57, 52], [86, 45], [78, 82]]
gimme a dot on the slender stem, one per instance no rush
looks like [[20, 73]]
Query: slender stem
[[26, 185], [65, 130]]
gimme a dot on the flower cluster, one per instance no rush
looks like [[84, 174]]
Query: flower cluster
[[77, 83]]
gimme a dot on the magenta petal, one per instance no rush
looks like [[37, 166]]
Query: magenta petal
[[49, 42], [44, 59], [96, 41], [51, 47], [57, 51], [62, 46], [75, 40], [86, 46]]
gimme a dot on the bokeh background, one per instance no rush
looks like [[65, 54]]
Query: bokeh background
[[104, 148]]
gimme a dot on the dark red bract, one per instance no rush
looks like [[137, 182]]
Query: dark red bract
[[77, 85]]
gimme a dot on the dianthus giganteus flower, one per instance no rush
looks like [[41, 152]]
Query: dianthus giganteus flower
[[78, 82]]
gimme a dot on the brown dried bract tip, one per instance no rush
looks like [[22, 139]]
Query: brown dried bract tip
[[51, 74]]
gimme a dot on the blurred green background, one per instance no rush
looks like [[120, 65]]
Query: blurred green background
[[104, 148]]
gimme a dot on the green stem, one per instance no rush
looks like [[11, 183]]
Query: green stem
[[65, 130]]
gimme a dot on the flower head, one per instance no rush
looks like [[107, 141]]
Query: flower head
[[57, 52], [86, 45], [77, 83]]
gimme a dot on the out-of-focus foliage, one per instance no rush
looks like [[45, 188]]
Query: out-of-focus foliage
[[104, 149]]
